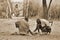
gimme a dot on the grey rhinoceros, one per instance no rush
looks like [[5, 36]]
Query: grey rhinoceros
[[23, 27]]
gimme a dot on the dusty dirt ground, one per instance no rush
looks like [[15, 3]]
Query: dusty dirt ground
[[7, 27]]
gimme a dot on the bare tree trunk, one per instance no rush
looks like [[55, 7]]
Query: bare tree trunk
[[49, 5], [48, 9], [45, 9], [29, 9], [9, 8], [25, 8]]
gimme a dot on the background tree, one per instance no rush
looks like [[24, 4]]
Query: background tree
[[45, 9], [25, 8], [9, 10]]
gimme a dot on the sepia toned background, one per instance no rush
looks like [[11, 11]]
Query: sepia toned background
[[29, 7], [14, 10]]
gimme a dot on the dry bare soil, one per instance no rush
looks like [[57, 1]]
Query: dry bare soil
[[7, 27]]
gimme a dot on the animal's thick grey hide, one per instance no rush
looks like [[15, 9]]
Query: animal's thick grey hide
[[23, 26]]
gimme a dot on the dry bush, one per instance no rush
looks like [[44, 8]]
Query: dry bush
[[33, 8], [3, 7], [55, 12]]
